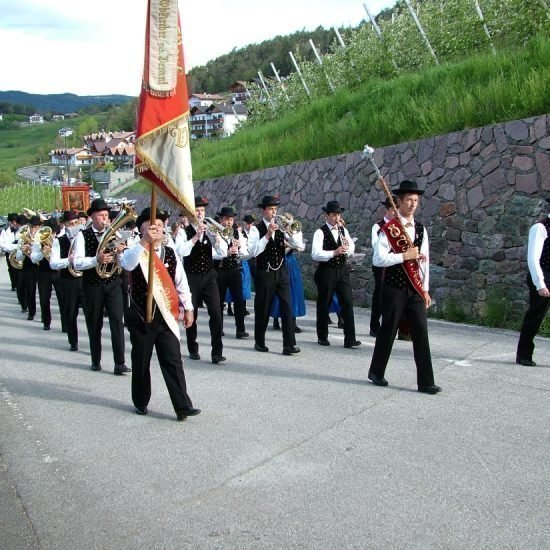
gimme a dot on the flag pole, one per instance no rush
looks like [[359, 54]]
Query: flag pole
[[149, 302]]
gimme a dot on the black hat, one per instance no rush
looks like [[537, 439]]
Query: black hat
[[82, 215], [201, 201], [387, 202], [53, 224], [22, 219], [269, 200], [69, 215], [333, 207], [12, 217], [145, 216], [98, 205], [249, 218], [407, 186], [35, 220], [227, 211]]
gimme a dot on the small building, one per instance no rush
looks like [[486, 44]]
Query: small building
[[57, 118], [36, 119], [216, 120], [239, 92]]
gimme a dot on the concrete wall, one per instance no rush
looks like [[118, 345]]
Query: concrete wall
[[483, 192]]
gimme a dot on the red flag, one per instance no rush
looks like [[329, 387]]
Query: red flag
[[162, 143]]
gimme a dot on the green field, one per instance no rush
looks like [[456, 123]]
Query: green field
[[36, 197]]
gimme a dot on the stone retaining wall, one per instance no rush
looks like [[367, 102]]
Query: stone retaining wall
[[484, 189]]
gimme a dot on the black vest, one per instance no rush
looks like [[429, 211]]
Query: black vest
[[545, 256], [395, 275], [273, 256], [138, 284], [330, 244], [90, 276], [231, 262], [64, 247], [200, 259]]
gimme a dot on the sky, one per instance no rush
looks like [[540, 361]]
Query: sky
[[95, 47]]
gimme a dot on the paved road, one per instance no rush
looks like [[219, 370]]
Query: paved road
[[290, 452]]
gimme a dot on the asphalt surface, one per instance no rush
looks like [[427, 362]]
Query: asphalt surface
[[289, 452]]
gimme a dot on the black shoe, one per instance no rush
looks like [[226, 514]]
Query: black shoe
[[24, 310], [223, 332], [429, 389], [30, 317], [257, 347], [141, 410], [330, 321], [188, 411], [195, 356], [246, 312], [95, 366], [73, 348], [354, 344], [230, 312], [297, 330], [241, 335], [525, 362], [340, 324], [376, 380], [46, 327], [276, 325], [122, 369], [291, 350], [323, 342], [373, 333], [218, 359]]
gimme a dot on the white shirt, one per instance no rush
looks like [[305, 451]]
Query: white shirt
[[56, 261], [384, 257], [376, 231], [81, 261], [6, 240], [256, 245], [320, 255], [183, 246], [130, 258], [36, 253], [537, 236]]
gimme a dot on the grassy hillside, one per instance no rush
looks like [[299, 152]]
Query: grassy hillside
[[483, 89], [27, 145]]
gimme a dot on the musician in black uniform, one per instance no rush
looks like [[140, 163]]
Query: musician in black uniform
[[229, 275], [100, 292], [28, 283], [48, 278], [266, 242], [198, 248], [376, 311], [71, 283], [163, 331], [399, 294], [538, 282], [331, 247], [7, 239]]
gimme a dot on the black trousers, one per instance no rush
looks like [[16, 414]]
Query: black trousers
[[73, 297], [110, 297], [267, 285], [204, 288], [20, 290], [28, 282], [330, 280], [46, 280], [157, 335], [395, 303], [11, 271], [376, 308], [232, 279], [534, 316]]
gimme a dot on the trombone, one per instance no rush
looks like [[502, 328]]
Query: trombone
[[287, 223], [215, 228]]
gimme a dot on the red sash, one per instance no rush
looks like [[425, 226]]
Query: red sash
[[399, 244]]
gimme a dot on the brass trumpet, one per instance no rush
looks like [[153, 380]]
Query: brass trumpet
[[25, 237], [215, 228], [287, 223], [110, 241]]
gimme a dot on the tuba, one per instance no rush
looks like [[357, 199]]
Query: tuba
[[24, 238], [110, 241], [44, 237]]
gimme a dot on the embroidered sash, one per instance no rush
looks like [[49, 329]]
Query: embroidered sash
[[399, 244], [164, 291]]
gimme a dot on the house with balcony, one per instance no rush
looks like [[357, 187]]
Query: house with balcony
[[240, 92], [216, 120], [74, 156], [204, 100]]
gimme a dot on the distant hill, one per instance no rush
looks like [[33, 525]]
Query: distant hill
[[61, 103]]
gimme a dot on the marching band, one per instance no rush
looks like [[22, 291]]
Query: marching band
[[200, 263]]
